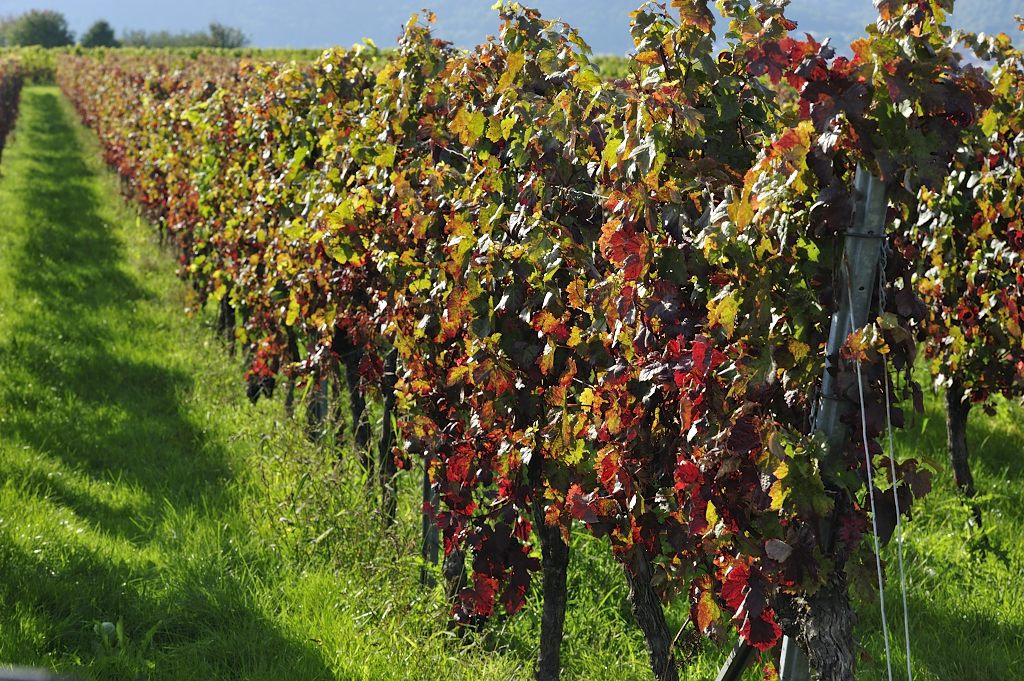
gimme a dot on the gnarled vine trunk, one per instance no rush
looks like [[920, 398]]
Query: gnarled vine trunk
[[317, 406], [554, 576], [350, 356], [431, 535], [826, 630], [454, 571], [957, 410], [226, 324], [646, 606]]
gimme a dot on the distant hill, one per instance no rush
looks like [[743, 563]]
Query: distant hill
[[321, 23]]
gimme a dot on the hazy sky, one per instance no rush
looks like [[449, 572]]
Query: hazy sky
[[320, 23]]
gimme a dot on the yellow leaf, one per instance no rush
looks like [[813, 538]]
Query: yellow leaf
[[513, 65], [469, 126], [507, 123], [494, 129], [741, 212], [798, 349], [573, 454], [586, 79], [708, 611], [613, 151], [575, 337], [778, 492], [293, 310], [723, 310], [547, 360], [296, 229], [711, 514], [459, 374], [989, 122]]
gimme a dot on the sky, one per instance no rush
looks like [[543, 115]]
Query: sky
[[322, 23]]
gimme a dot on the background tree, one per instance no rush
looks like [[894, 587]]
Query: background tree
[[100, 34], [5, 25], [218, 35], [46, 28], [226, 36]]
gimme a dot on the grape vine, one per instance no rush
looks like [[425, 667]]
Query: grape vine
[[597, 306]]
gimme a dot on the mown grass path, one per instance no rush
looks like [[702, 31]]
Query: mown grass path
[[119, 484], [138, 488]]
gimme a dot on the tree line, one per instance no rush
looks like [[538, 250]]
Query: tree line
[[49, 28]]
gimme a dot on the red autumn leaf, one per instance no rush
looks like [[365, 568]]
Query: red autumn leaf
[[457, 465], [623, 246], [580, 504], [735, 584], [687, 473], [514, 597], [479, 599], [762, 632]]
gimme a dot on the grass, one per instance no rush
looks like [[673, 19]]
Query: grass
[[138, 488], [965, 586]]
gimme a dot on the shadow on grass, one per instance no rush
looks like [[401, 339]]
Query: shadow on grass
[[127, 423], [79, 404], [967, 645]]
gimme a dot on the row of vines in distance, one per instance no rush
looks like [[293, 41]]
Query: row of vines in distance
[[588, 305], [11, 80]]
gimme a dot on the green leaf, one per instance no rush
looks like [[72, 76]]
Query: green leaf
[[296, 163], [469, 126]]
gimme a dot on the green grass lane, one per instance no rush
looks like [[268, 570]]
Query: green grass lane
[[965, 585], [122, 479], [138, 487]]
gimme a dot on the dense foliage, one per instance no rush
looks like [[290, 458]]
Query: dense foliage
[[11, 79], [584, 304], [967, 235], [37, 64]]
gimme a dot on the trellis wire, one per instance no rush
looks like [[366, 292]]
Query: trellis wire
[[871, 493], [892, 463]]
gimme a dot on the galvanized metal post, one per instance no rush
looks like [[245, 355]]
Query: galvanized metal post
[[857, 278], [738, 660], [858, 274]]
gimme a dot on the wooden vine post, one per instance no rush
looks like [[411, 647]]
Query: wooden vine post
[[827, 629]]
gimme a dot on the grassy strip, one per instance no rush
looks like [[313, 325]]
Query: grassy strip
[[965, 586], [138, 488]]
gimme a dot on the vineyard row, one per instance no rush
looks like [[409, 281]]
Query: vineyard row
[[603, 306]]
